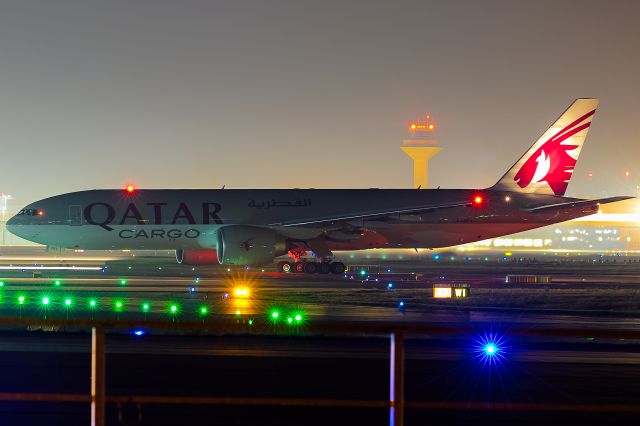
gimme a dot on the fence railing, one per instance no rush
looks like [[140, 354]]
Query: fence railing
[[396, 333]]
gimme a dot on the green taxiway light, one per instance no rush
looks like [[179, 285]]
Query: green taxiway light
[[21, 300], [118, 305], [123, 282], [204, 310], [173, 309], [1, 283], [45, 300], [298, 317], [250, 322], [289, 320], [146, 307], [92, 303], [67, 302], [275, 314], [57, 283]]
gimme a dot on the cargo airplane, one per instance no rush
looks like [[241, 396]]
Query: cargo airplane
[[255, 226]]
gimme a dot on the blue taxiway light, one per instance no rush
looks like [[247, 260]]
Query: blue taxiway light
[[138, 332], [490, 349]]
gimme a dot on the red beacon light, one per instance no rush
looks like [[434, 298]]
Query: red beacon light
[[130, 189], [40, 213], [478, 200]]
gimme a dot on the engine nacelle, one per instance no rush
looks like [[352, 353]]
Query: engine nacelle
[[249, 245], [197, 257]]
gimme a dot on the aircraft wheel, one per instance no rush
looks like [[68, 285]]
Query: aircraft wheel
[[310, 268], [285, 267], [298, 267], [338, 268], [324, 268]]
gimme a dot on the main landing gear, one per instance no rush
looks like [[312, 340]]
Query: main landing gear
[[300, 267]]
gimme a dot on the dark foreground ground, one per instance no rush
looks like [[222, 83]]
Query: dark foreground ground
[[584, 373]]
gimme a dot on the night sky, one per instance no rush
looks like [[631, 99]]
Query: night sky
[[261, 94]]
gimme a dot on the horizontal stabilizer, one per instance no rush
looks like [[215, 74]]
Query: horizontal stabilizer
[[581, 203]]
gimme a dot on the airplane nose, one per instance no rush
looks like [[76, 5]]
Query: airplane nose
[[12, 224]]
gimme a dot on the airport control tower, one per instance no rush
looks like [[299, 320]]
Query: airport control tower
[[421, 147]]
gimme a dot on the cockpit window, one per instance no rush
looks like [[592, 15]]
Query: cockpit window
[[31, 212]]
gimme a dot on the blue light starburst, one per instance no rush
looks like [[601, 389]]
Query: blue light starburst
[[490, 348]]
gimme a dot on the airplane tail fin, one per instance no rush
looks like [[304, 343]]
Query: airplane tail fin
[[547, 166]]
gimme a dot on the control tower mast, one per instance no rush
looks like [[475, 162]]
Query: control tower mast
[[421, 147]]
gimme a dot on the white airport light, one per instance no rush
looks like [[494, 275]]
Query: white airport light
[[3, 204]]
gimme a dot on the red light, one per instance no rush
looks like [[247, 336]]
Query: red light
[[627, 173], [40, 212], [590, 174], [130, 188], [478, 200]]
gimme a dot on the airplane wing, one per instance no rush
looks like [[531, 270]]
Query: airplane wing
[[372, 215], [573, 204]]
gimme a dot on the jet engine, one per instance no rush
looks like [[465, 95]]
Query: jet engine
[[249, 245], [197, 257]]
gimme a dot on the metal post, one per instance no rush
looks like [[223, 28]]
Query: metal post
[[396, 380], [97, 377]]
